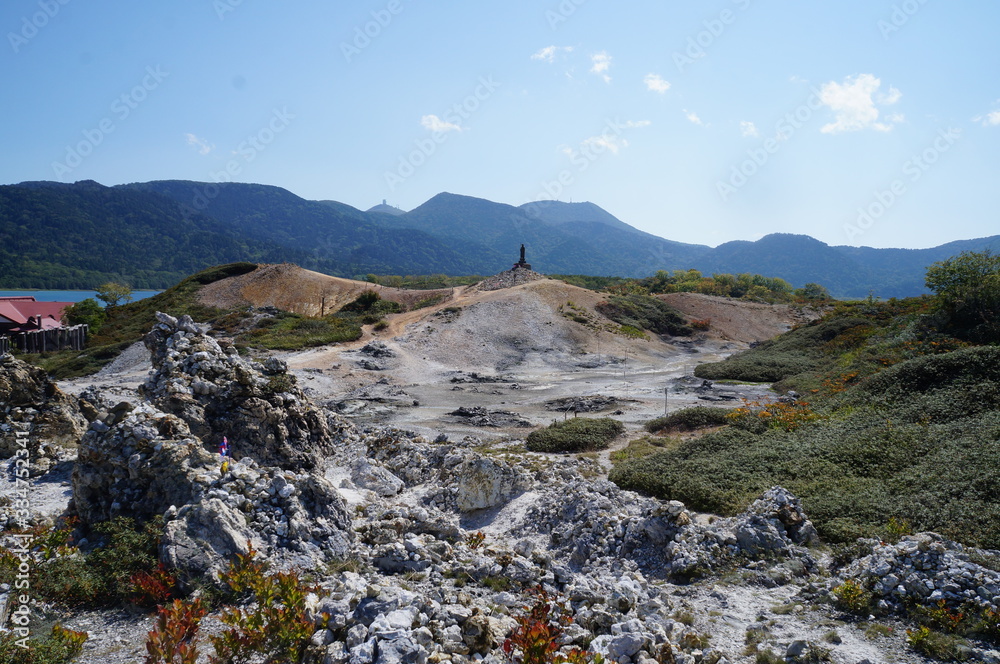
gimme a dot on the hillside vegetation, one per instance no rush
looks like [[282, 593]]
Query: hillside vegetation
[[898, 417], [126, 324], [55, 235]]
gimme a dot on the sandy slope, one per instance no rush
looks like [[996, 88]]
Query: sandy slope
[[292, 288], [527, 334]]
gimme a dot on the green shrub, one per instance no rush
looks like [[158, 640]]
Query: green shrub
[[689, 419], [968, 293], [793, 353], [644, 312], [273, 626], [944, 647], [288, 331], [86, 312], [431, 301], [113, 573], [580, 434], [852, 596], [59, 647]]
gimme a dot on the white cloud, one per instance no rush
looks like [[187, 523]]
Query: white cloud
[[855, 103], [601, 64], [437, 125], [549, 53], [610, 142], [991, 119], [693, 118], [656, 83], [749, 129], [204, 147]]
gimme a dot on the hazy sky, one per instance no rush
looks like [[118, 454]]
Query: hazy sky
[[863, 122]]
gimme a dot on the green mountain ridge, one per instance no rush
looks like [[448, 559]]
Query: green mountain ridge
[[152, 234]]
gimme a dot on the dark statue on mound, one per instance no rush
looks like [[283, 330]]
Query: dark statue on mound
[[521, 264]]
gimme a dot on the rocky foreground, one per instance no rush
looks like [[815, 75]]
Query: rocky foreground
[[422, 550]]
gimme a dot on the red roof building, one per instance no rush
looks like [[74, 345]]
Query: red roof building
[[25, 314]]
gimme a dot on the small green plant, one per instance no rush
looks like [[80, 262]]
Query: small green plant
[[875, 631], [852, 596], [475, 540], [631, 332], [942, 616], [429, 302], [685, 617], [172, 641], [279, 383], [768, 657], [896, 529], [59, 647], [535, 639], [126, 554], [935, 645], [497, 584]]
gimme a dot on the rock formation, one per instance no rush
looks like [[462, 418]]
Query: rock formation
[[217, 393], [157, 459], [35, 412]]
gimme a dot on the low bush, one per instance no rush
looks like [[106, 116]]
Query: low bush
[[851, 596], [288, 331], [580, 434], [644, 312], [929, 457], [689, 419], [60, 646], [944, 647], [121, 569], [271, 625], [795, 352]]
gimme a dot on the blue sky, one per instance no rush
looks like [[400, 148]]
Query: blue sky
[[857, 122]]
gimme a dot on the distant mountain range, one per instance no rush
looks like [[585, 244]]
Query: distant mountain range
[[56, 235]]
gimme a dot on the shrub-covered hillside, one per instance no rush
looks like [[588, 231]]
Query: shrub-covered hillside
[[898, 417], [121, 326]]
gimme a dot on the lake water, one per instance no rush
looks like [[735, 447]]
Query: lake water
[[70, 295]]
